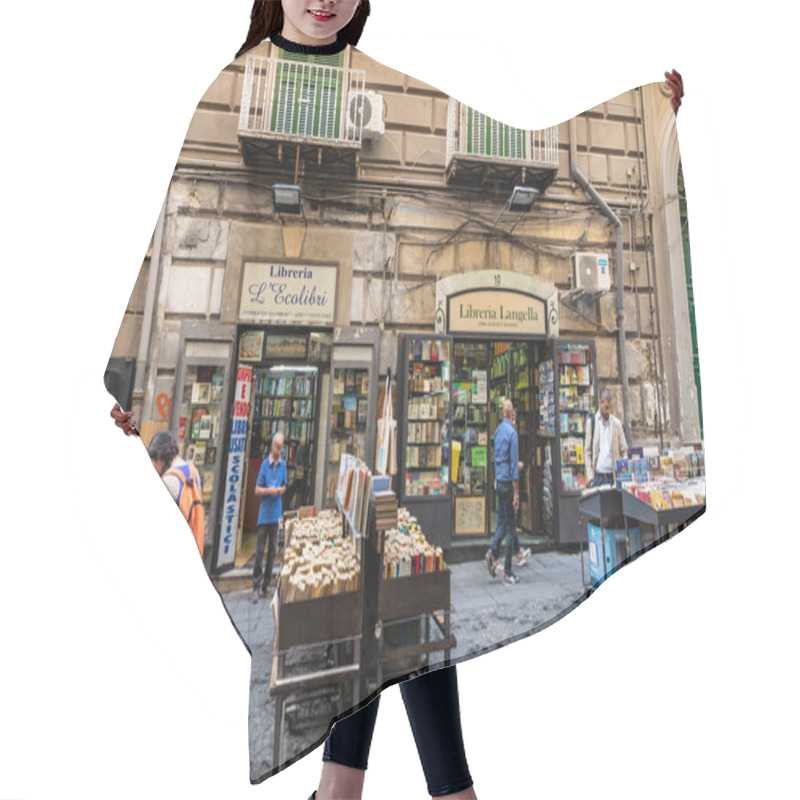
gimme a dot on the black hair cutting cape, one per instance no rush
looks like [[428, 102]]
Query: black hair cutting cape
[[414, 252]]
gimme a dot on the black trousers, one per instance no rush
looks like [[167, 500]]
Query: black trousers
[[431, 701], [270, 530]]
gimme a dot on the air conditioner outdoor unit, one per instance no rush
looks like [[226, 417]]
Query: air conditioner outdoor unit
[[592, 272], [365, 111]]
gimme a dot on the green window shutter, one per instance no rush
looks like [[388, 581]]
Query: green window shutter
[[489, 137], [307, 99], [687, 260]]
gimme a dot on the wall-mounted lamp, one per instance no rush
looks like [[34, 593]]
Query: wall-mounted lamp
[[287, 198], [522, 198]]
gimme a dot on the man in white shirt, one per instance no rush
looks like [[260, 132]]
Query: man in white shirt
[[605, 443]]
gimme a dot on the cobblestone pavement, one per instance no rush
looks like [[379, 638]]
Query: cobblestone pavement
[[486, 614]]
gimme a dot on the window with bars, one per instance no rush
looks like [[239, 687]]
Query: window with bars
[[308, 95]]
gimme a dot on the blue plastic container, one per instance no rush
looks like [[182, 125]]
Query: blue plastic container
[[608, 549]]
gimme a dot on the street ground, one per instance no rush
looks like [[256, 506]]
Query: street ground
[[485, 614]]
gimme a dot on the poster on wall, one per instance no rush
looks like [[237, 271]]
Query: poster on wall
[[234, 475], [480, 394]]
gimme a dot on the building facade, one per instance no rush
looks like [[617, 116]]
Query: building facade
[[410, 233]]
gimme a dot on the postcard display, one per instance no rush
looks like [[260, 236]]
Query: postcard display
[[423, 442], [566, 387]]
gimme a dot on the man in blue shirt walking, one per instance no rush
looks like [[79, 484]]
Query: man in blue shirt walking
[[270, 487], [506, 474]]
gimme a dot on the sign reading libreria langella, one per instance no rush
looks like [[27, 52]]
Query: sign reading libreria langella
[[497, 310], [288, 294]]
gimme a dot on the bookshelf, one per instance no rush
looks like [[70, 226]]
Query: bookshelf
[[348, 421], [285, 401], [427, 442], [576, 389], [471, 435], [567, 390]]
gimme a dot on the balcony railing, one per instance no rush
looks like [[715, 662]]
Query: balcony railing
[[474, 136], [299, 101]]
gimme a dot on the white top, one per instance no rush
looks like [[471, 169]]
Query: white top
[[605, 462]]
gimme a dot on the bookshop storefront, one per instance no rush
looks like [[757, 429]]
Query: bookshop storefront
[[496, 338], [286, 368]]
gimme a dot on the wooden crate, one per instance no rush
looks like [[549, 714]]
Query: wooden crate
[[319, 620], [413, 595]]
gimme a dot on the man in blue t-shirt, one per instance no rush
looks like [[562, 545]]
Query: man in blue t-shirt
[[270, 487]]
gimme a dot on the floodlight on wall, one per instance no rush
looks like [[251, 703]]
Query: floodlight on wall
[[522, 198], [287, 198]]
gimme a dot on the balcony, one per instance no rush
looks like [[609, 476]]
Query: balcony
[[293, 108], [484, 152]]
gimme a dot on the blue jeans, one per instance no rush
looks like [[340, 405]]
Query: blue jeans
[[601, 478], [506, 523]]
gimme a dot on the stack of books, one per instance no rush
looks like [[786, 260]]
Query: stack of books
[[385, 503]]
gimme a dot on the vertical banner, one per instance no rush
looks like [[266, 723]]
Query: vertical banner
[[234, 475]]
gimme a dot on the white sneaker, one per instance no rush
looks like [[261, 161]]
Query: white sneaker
[[523, 556]]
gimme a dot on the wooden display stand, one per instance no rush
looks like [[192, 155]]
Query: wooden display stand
[[360, 617], [330, 621]]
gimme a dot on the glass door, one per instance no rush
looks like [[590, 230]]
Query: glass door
[[286, 402]]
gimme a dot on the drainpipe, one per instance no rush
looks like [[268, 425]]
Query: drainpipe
[[149, 305], [587, 187]]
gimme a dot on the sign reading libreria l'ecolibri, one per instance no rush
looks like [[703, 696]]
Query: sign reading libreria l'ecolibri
[[496, 310], [234, 475], [288, 294]]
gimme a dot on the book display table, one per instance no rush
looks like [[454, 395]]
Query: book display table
[[604, 508], [635, 509], [424, 599], [609, 507], [330, 621], [342, 589]]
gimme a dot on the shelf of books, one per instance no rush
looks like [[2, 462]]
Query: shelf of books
[[667, 487], [426, 448], [348, 422], [576, 392], [199, 424], [285, 401], [470, 446], [545, 394]]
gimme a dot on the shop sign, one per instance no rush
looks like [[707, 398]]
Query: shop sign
[[288, 294], [496, 311], [234, 476]]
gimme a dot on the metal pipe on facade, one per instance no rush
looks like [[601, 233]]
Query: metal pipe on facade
[[587, 187], [149, 304]]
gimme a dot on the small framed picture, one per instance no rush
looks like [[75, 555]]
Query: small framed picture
[[251, 346]]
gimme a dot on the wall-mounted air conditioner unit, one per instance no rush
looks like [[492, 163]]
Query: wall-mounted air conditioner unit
[[365, 111], [592, 272]]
